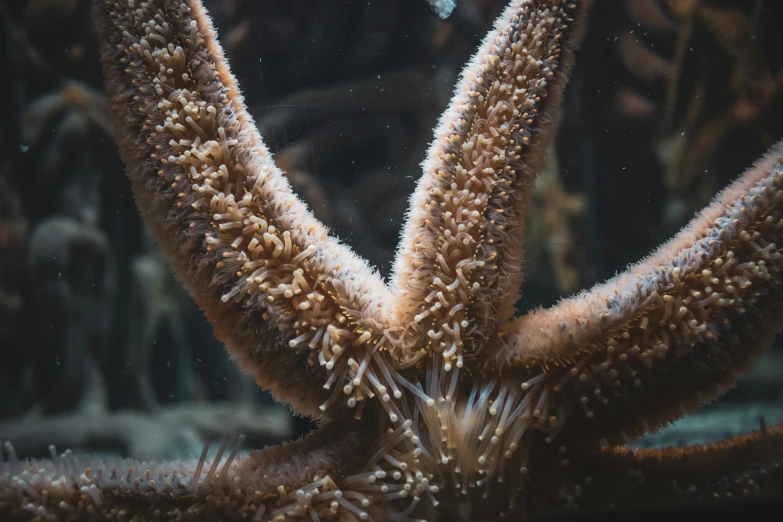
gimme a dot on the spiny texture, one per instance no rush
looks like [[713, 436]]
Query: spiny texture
[[296, 308], [701, 308], [250, 487], [449, 403], [457, 270]]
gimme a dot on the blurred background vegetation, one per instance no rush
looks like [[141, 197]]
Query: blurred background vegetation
[[102, 350]]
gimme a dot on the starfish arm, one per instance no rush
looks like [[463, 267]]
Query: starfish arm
[[672, 331], [325, 475], [748, 464], [457, 270], [284, 296]]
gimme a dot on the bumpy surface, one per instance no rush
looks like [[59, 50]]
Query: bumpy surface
[[432, 398]]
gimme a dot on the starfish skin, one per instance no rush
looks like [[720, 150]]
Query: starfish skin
[[430, 396]]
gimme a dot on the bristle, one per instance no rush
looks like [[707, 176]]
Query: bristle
[[457, 267], [200, 465], [219, 456], [232, 227], [230, 459], [710, 294]]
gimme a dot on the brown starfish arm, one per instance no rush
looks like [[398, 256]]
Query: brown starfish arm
[[457, 271], [749, 464], [295, 307], [672, 331], [326, 473]]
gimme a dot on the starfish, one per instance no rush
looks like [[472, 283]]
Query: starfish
[[429, 394]]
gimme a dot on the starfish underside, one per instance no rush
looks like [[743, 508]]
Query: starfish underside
[[429, 394]]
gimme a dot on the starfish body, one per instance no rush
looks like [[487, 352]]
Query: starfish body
[[428, 392]]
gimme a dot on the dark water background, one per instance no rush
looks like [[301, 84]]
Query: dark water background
[[102, 351]]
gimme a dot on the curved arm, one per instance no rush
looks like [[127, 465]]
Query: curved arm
[[672, 331], [621, 478], [457, 271], [330, 474], [285, 298]]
